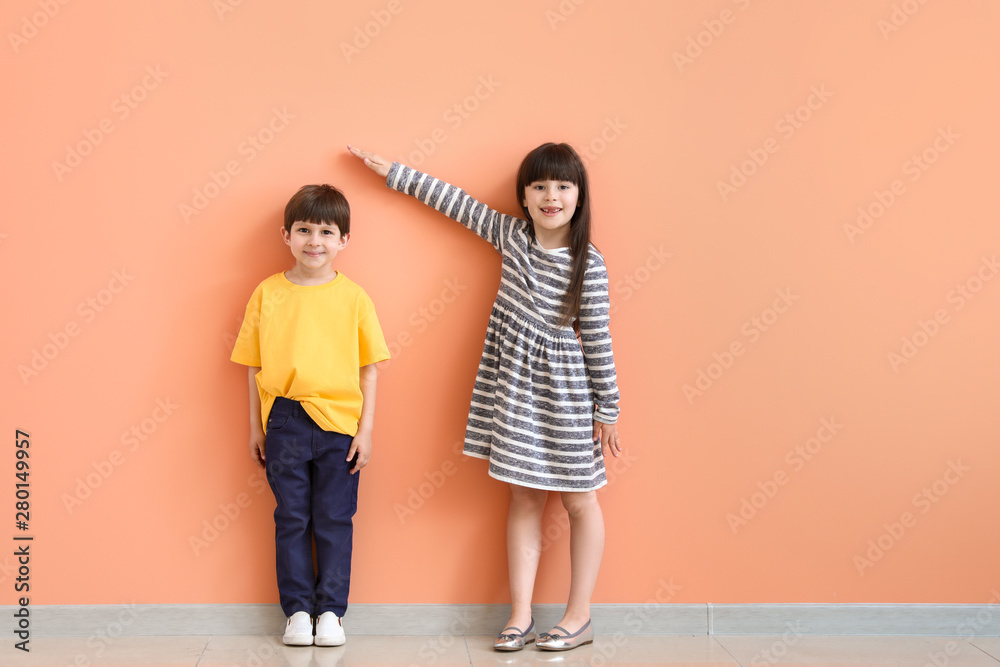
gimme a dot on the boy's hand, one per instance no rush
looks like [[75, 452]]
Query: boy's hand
[[607, 435], [362, 446], [257, 448], [376, 163]]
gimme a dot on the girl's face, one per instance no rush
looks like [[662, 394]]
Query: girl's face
[[551, 204]]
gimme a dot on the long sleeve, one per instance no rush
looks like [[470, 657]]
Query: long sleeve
[[489, 224], [595, 335]]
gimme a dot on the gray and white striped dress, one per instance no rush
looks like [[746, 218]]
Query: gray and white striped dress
[[537, 393]]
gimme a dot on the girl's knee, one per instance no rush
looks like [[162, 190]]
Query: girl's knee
[[577, 502], [523, 496]]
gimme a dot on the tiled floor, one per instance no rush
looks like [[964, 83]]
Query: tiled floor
[[730, 650]]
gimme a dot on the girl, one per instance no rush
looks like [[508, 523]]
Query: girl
[[545, 403]]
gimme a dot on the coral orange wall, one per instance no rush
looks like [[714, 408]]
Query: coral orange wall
[[797, 203]]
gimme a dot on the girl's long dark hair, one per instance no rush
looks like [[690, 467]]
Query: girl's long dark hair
[[559, 162]]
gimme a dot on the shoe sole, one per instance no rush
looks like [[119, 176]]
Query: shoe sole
[[300, 640], [330, 642], [568, 648]]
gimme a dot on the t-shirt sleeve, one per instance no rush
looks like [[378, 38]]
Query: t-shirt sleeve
[[371, 342], [246, 351]]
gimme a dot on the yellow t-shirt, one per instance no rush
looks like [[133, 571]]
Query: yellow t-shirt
[[310, 342]]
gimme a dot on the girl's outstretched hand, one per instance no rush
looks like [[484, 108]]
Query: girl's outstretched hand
[[607, 435], [376, 163]]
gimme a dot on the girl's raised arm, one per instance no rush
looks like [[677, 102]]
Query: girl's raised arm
[[489, 224], [376, 163]]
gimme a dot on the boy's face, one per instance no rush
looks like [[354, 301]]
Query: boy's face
[[313, 244]]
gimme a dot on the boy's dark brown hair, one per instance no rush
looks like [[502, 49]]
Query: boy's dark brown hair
[[559, 162], [324, 204]]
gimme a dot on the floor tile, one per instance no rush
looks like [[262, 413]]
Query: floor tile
[[990, 645], [444, 651], [818, 651], [160, 651], [266, 650], [612, 650]]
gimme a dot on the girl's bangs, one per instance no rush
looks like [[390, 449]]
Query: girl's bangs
[[554, 163]]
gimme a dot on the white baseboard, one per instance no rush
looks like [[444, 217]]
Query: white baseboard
[[485, 619], [856, 619]]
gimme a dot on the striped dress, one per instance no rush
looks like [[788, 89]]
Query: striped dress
[[538, 391]]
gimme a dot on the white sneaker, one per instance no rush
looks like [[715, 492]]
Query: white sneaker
[[329, 630], [299, 630]]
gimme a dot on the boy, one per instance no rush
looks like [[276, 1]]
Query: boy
[[311, 339]]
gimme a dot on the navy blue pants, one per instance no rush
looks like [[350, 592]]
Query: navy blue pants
[[317, 498]]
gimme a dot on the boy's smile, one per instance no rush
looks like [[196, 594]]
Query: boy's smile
[[314, 246], [551, 205]]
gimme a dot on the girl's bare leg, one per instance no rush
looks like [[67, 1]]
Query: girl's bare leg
[[586, 522], [524, 545]]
